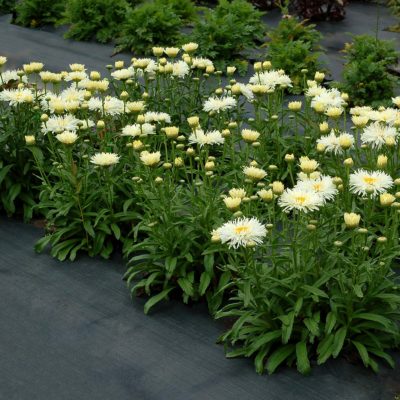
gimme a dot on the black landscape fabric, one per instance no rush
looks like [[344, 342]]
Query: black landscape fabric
[[69, 331]]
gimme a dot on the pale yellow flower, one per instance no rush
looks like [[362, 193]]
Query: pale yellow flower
[[352, 220], [150, 159]]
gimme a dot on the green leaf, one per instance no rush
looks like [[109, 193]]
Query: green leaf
[[278, 357], [315, 291], [186, 286], [246, 293], [325, 349], [4, 171], [205, 280], [156, 299], [330, 322], [374, 317], [259, 360], [116, 231], [362, 351], [385, 356], [298, 305], [263, 340], [170, 264], [88, 227], [338, 341], [358, 291], [303, 363], [42, 243], [287, 326], [209, 263]]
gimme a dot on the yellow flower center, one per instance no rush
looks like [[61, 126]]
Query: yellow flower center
[[369, 180], [317, 186], [300, 199], [241, 229]]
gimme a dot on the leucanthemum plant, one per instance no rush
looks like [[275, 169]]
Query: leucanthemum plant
[[282, 216]]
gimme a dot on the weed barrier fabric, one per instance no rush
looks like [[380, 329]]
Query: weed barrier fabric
[[70, 331], [22, 45]]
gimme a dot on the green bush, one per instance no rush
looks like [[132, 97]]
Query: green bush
[[395, 8], [94, 18], [35, 13], [229, 29], [184, 8], [6, 6], [296, 308], [149, 25], [294, 47], [365, 75]]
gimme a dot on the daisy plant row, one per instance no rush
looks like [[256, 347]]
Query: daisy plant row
[[282, 215]]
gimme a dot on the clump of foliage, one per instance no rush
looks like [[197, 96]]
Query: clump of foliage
[[174, 258], [294, 47], [18, 182], [319, 10], [100, 19], [294, 308], [186, 9], [34, 13], [227, 30], [7, 6], [395, 8], [366, 75], [148, 25]]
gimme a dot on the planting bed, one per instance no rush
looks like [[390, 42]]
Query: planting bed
[[70, 331], [311, 281]]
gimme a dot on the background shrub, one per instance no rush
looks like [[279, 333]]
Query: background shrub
[[6, 6], [365, 75], [318, 10], [293, 47], [186, 9], [228, 30], [94, 18], [148, 25], [395, 8], [35, 13]]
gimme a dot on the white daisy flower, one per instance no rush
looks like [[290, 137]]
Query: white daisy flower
[[123, 74], [246, 91], [105, 159], [200, 62], [314, 91], [180, 69], [17, 96], [271, 79], [8, 76], [377, 133], [67, 137], [360, 110], [72, 94], [150, 159], [86, 124], [75, 76], [201, 138], [112, 105], [58, 124], [218, 104], [299, 199], [242, 232], [328, 98], [153, 116], [323, 186], [364, 183], [336, 144], [137, 130], [254, 173]]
